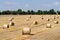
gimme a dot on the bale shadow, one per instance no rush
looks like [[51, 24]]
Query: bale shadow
[[31, 34], [28, 34]]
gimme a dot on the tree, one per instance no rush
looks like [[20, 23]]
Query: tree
[[51, 11], [39, 12], [7, 12], [0, 13], [19, 11], [45, 12], [28, 12], [58, 12], [24, 12], [32, 12]]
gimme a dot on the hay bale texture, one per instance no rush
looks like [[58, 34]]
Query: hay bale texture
[[48, 26], [56, 22], [26, 30], [35, 22], [5, 26], [27, 19], [11, 19], [48, 19], [42, 17], [29, 16], [11, 23], [54, 17]]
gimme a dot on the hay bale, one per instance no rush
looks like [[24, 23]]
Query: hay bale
[[57, 16], [56, 22], [26, 30], [48, 19], [5, 26], [27, 19], [42, 18], [48, 26], [11, 19], [50, 15], [54, 17], [35, 22], [29, 16], [11, 23]]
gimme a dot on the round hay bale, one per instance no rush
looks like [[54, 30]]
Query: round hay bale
[[42, 18], [57, 16], [26, 30], [11, 19], [48, 19], [27, 19], [54, 17], [29, 16], [5, 26], [56, 22], [11, 23], [35, 22], [48, 26]]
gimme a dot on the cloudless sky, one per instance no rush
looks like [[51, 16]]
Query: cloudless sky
[[30, 4]]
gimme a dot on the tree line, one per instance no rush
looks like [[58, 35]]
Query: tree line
[[29, 12]]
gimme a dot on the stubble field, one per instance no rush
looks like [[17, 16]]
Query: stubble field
[[38, 31]]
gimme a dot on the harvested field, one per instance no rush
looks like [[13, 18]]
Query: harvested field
[[38, 32]]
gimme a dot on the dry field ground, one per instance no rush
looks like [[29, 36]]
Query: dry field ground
[[38, 32]]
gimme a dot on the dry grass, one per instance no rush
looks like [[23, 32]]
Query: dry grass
[[20, 22]]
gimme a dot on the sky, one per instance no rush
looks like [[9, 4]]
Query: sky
[[30, 4]]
